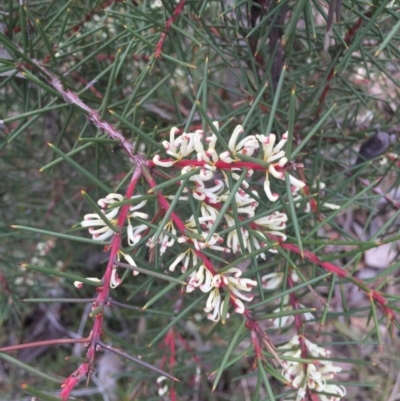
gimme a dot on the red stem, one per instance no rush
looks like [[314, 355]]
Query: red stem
[[330, 267], [176, 219], [219, 164], [170, 21], [102, 297], [251, 324]]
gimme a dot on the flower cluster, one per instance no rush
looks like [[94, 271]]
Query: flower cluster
[[262, 146], [101, 231], [230, 280], [313, 375], [213, 183], [222, 185]]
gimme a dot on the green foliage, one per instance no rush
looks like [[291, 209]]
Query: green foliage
[[272, 66]]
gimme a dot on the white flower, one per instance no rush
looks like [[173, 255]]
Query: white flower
[[133, 233], [301, 393], [115, 280], [230, 280], [283, 321], [92, 220], [331, 206], [314, 375], [287, 320], [163, 163], [212, 243], [236, 176], [339, 392], [208, 215], [316, 350], [245, 204], [297, 198], [171, 144], [275, 156], [159, 3], [317, 377], [214, 304], [165, 239], [162, 389], [196, 279], [273, 224], [185, 257], [109, 200], [294, 374], [133, 208], [184, 145], [253, 244], [156, 4], [79, 284], [130, 260], [180, 147], [325, 205], [272, 281], [272, 153], [272, 196], [235, 285], [101, 231], [210, 155], [201, 192], [232, 240], [246, 146]]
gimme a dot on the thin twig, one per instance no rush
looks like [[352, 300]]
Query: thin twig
[[58, 341], [136, 360]]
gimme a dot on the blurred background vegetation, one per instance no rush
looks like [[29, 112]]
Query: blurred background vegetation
[[326, 70]]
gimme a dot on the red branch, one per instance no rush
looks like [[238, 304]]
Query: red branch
[[219, 164], [177, 220], [169, 342], [330, 267], [170, 21], [251, 324], [102, 298]]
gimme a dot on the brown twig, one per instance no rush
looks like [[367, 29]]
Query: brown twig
[[58, 341], [136, 360]]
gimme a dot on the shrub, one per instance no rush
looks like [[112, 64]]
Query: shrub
[[220, 177]]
